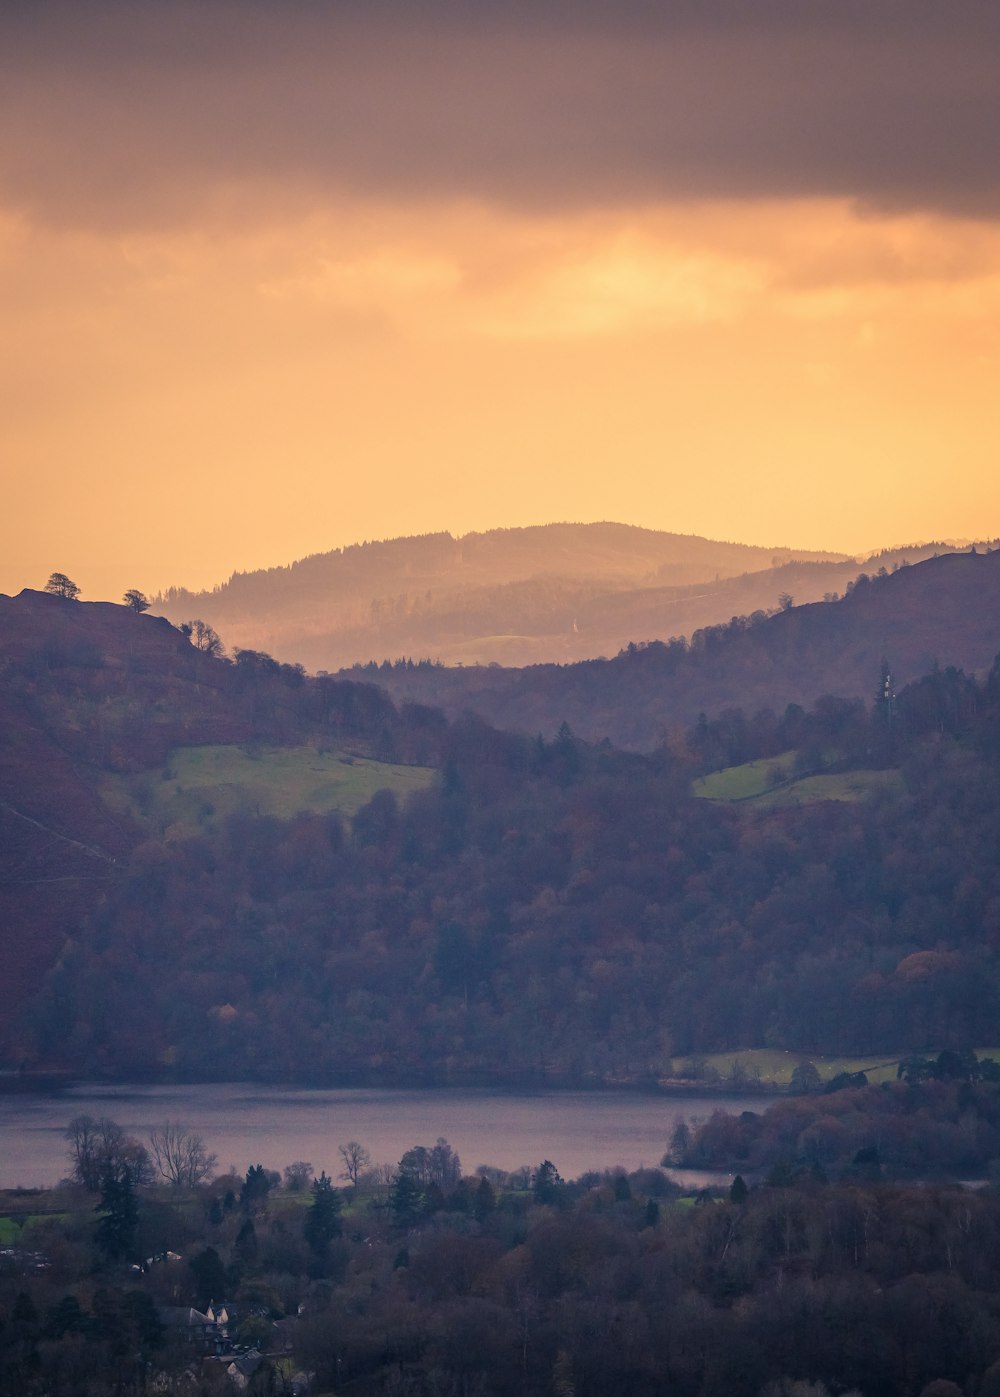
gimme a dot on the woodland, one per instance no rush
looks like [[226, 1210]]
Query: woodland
[[420, 1280], [942, 610], [556, 593], [545, 911]]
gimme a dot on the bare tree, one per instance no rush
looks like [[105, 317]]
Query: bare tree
[[203, 637], [356, 1160], [298, 1176], [180, 1155], [81, 1135], [100, 1149]]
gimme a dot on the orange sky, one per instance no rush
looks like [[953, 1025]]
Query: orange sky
[[226, 343]]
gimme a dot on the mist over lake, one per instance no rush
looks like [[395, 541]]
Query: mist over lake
[[274, 1126]]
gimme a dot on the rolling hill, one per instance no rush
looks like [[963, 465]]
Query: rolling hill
[[96, 701], [945, 610], [511, 596], [196, 879]]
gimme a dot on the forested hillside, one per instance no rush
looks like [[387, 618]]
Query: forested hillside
[[943, 611], [510, 596], [92, 693], [547, 910]]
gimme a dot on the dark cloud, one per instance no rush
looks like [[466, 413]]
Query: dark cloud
[[138, 113]]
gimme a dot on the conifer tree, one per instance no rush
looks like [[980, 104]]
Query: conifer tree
[[322, 1219]]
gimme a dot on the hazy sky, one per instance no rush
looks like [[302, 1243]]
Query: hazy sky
[[276, 277]]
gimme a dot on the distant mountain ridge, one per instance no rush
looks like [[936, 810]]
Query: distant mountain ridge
[[513, 596], [945, 610]]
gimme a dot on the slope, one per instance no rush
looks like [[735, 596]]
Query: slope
[[92, 694], [945, 610], [508, 595]]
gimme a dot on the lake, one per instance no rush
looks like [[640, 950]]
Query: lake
[[245, 1124]]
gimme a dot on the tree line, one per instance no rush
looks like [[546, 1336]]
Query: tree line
[[441, 1282]]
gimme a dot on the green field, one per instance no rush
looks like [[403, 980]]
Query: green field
[[747, 781], [773, 1067], [770, 783], [200, 786]]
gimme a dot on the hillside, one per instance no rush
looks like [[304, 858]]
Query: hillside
[[945, 610], [511, 596], [93, 696], [227, 869], [553, 912]]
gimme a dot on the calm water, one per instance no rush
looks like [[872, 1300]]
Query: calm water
[[246, 1124]]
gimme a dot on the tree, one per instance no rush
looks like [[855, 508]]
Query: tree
[[61, 586], [180, 1155], [485, 1200], [406, 1201], [439, 1165], [298, 1176], [806, 1077], [100, 1147], [256, 1187], [322, 1220], [680, 1144], [204, 638], [135, 600], [209, 1276], [86, 1166], [356, 1160], [547, 1183], [119, 1214]]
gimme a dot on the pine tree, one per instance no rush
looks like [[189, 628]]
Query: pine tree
[[322, 1219], [406, 1201], [119, 1217]]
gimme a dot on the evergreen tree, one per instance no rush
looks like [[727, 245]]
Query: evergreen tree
[[256, 1186], [119, 1217], [547, 1186], [322, 1219], [406, 1201], [485, 1201]]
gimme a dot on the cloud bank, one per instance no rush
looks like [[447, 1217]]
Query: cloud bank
[[131, 115]]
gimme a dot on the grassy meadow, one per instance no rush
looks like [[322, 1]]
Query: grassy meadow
[[199, 786], [773, 1067], [771, 782]]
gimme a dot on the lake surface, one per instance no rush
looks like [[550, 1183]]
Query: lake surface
[[245, 1124]]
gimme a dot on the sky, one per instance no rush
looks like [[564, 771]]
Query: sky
[[280, 276]]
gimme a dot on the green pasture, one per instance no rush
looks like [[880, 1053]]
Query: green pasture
[[201, 785], [842, 785], [771, 782], [746, 781], [773, 1067], [9, 1232]]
